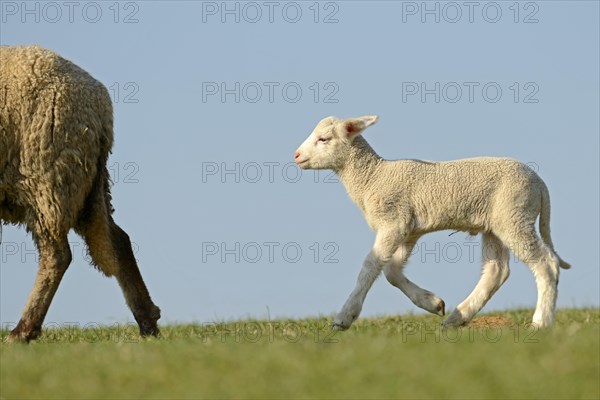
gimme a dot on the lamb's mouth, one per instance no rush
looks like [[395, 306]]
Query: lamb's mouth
[[302, 163]]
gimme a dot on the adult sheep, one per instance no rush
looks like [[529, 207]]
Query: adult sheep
[[56, 133], [405, 199]]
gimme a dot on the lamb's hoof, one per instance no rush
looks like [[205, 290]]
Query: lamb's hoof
[[455, 320], [540, 323], [441, 308], [432, 304], [344, 319], [338, 326]]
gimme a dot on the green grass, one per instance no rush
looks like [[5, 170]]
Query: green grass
[[389, 357]]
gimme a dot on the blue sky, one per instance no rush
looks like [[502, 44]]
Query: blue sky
[[209, 110]]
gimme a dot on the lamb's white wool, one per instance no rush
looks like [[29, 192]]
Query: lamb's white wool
[[405, 199]]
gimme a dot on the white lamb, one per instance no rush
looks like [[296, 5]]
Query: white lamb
[[405, 199]]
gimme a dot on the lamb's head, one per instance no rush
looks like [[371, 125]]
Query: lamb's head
[[329, 144]]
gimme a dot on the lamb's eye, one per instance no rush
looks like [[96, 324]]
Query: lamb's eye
[[322, 140]]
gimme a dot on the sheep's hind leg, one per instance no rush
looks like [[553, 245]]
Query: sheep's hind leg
[[130, 279], [111, 251], [385, 245], [55, 257], [495, 272], [420, 297]]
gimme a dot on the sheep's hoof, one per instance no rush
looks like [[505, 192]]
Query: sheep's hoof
[[11, 339], [24, 333], [19, 337], [151, 331], [149, 328], [147, 321]]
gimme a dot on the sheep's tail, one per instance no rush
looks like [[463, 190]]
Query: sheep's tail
[[545, 226], [95, 223]]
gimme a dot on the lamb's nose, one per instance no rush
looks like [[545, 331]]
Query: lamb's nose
[[296, 155]]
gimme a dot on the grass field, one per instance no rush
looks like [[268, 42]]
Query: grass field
[[497, 356]]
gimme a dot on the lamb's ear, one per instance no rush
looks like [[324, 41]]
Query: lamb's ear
[[353, 127]]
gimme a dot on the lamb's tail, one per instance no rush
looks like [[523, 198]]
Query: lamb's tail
[[545, 226]]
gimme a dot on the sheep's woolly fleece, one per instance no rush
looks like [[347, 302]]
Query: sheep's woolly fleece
[[55, 132]]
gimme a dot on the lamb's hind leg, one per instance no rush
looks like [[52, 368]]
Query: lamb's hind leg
[[55, 257], [544, 264], [494, 273], [420, 297]]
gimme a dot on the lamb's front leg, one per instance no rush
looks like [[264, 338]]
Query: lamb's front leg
[[420, 297], [385, 245]]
